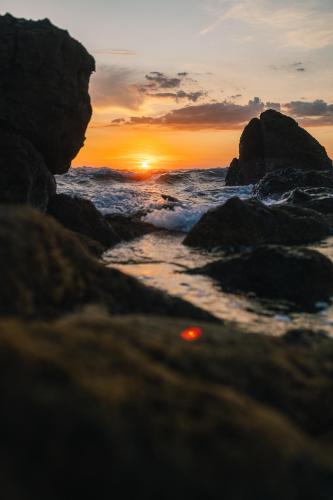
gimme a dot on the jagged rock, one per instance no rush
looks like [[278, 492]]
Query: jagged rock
[[93, 405], [319, 199], [246, 223], [300, 275], [81, 216], [24, 177], [276, 184], [44, 77], [45, 272], [273, 142]]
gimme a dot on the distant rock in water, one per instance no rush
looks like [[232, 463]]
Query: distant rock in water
[[299, 275], [273, 142], [44, 78], [246, 223]]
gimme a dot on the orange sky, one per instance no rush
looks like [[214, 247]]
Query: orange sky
[[127, 147]]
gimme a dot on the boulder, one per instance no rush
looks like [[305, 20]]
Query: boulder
[[276, 184], [81, 216], [24, 177], [247, 223], [44, 77], [93, 405], [298, 275], [273, 142], [319, 199], [45, 272]]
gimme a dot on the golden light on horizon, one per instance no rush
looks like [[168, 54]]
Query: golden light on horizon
[[145, 165]]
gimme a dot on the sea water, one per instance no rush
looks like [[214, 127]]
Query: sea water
[[160, 260]]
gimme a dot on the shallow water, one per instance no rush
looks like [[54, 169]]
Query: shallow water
[[159, 259]]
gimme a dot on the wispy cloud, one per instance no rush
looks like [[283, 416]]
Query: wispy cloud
[[304, 24], [114, 52]]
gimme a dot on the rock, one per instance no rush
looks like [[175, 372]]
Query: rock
[[124, 404], [172, 199], [300, 275], [276, 184], [81, 216], [24, 177], [320, 199], [129, 227], [44, 77], [45, 272], [305, 337], [246, 223], [273, 142]]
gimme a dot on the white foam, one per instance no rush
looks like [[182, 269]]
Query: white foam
[[178, 219]]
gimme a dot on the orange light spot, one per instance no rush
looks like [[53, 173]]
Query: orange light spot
[[191, 334]]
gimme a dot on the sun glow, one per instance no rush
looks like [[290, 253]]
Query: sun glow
[[145, 165]]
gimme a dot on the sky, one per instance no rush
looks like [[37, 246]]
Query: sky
[[177, 80]]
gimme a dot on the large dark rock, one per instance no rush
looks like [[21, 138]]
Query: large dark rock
[[246, 223], [24, 177], [46, 272], [129, 227], [81, 216], [277, 183], [95, 406], [44, 77], [319, 199], [299, 275], [273, 142]]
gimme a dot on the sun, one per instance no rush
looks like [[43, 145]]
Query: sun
[[145, 165]]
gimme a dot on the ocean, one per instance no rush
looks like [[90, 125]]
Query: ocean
[[159, 259]]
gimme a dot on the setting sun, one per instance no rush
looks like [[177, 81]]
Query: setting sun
[[145, 165]]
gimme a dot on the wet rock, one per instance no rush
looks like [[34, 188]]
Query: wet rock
[[81, 216], [45, 272], [44, 77], [24, 177], [298, 275], [305, 337], [235, 416], [129, 227], [273, 142], [247, 223], [172, 199], [275, 184], [320, 199]]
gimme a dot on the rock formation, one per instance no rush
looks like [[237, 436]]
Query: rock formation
[[44, 106], [246, 223], [273, 142], [299, 275]]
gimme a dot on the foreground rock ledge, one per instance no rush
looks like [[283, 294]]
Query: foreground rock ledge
[[125, 403]]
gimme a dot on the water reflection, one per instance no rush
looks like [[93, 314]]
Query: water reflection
[[159, 260]]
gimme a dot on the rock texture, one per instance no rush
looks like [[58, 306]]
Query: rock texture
[[24, 177], [81, 216], [276, 184], [129, 227], [124, 405], [44, 77], [300, 275], [246, 223], [45, 272], [273, 142]]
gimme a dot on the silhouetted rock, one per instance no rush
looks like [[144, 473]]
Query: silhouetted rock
[[129, 227], [320, 199], [273, 142], [81, 216], [24, 177], [46, 272], [246, 223], [44, 77], [276, 184], [300, 275], [96, 405]]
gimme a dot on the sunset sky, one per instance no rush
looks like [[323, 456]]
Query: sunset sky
[[177, 80]]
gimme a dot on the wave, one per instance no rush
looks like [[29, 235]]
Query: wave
[[192, 175]]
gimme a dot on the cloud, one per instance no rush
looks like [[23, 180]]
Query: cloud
[[227, 115], [296, 66], [115, 52], [161, 81], [115, 86], [220, 115], [181, 94], [304, 24]]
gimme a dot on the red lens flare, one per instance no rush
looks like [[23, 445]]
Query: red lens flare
[[191, 334]]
